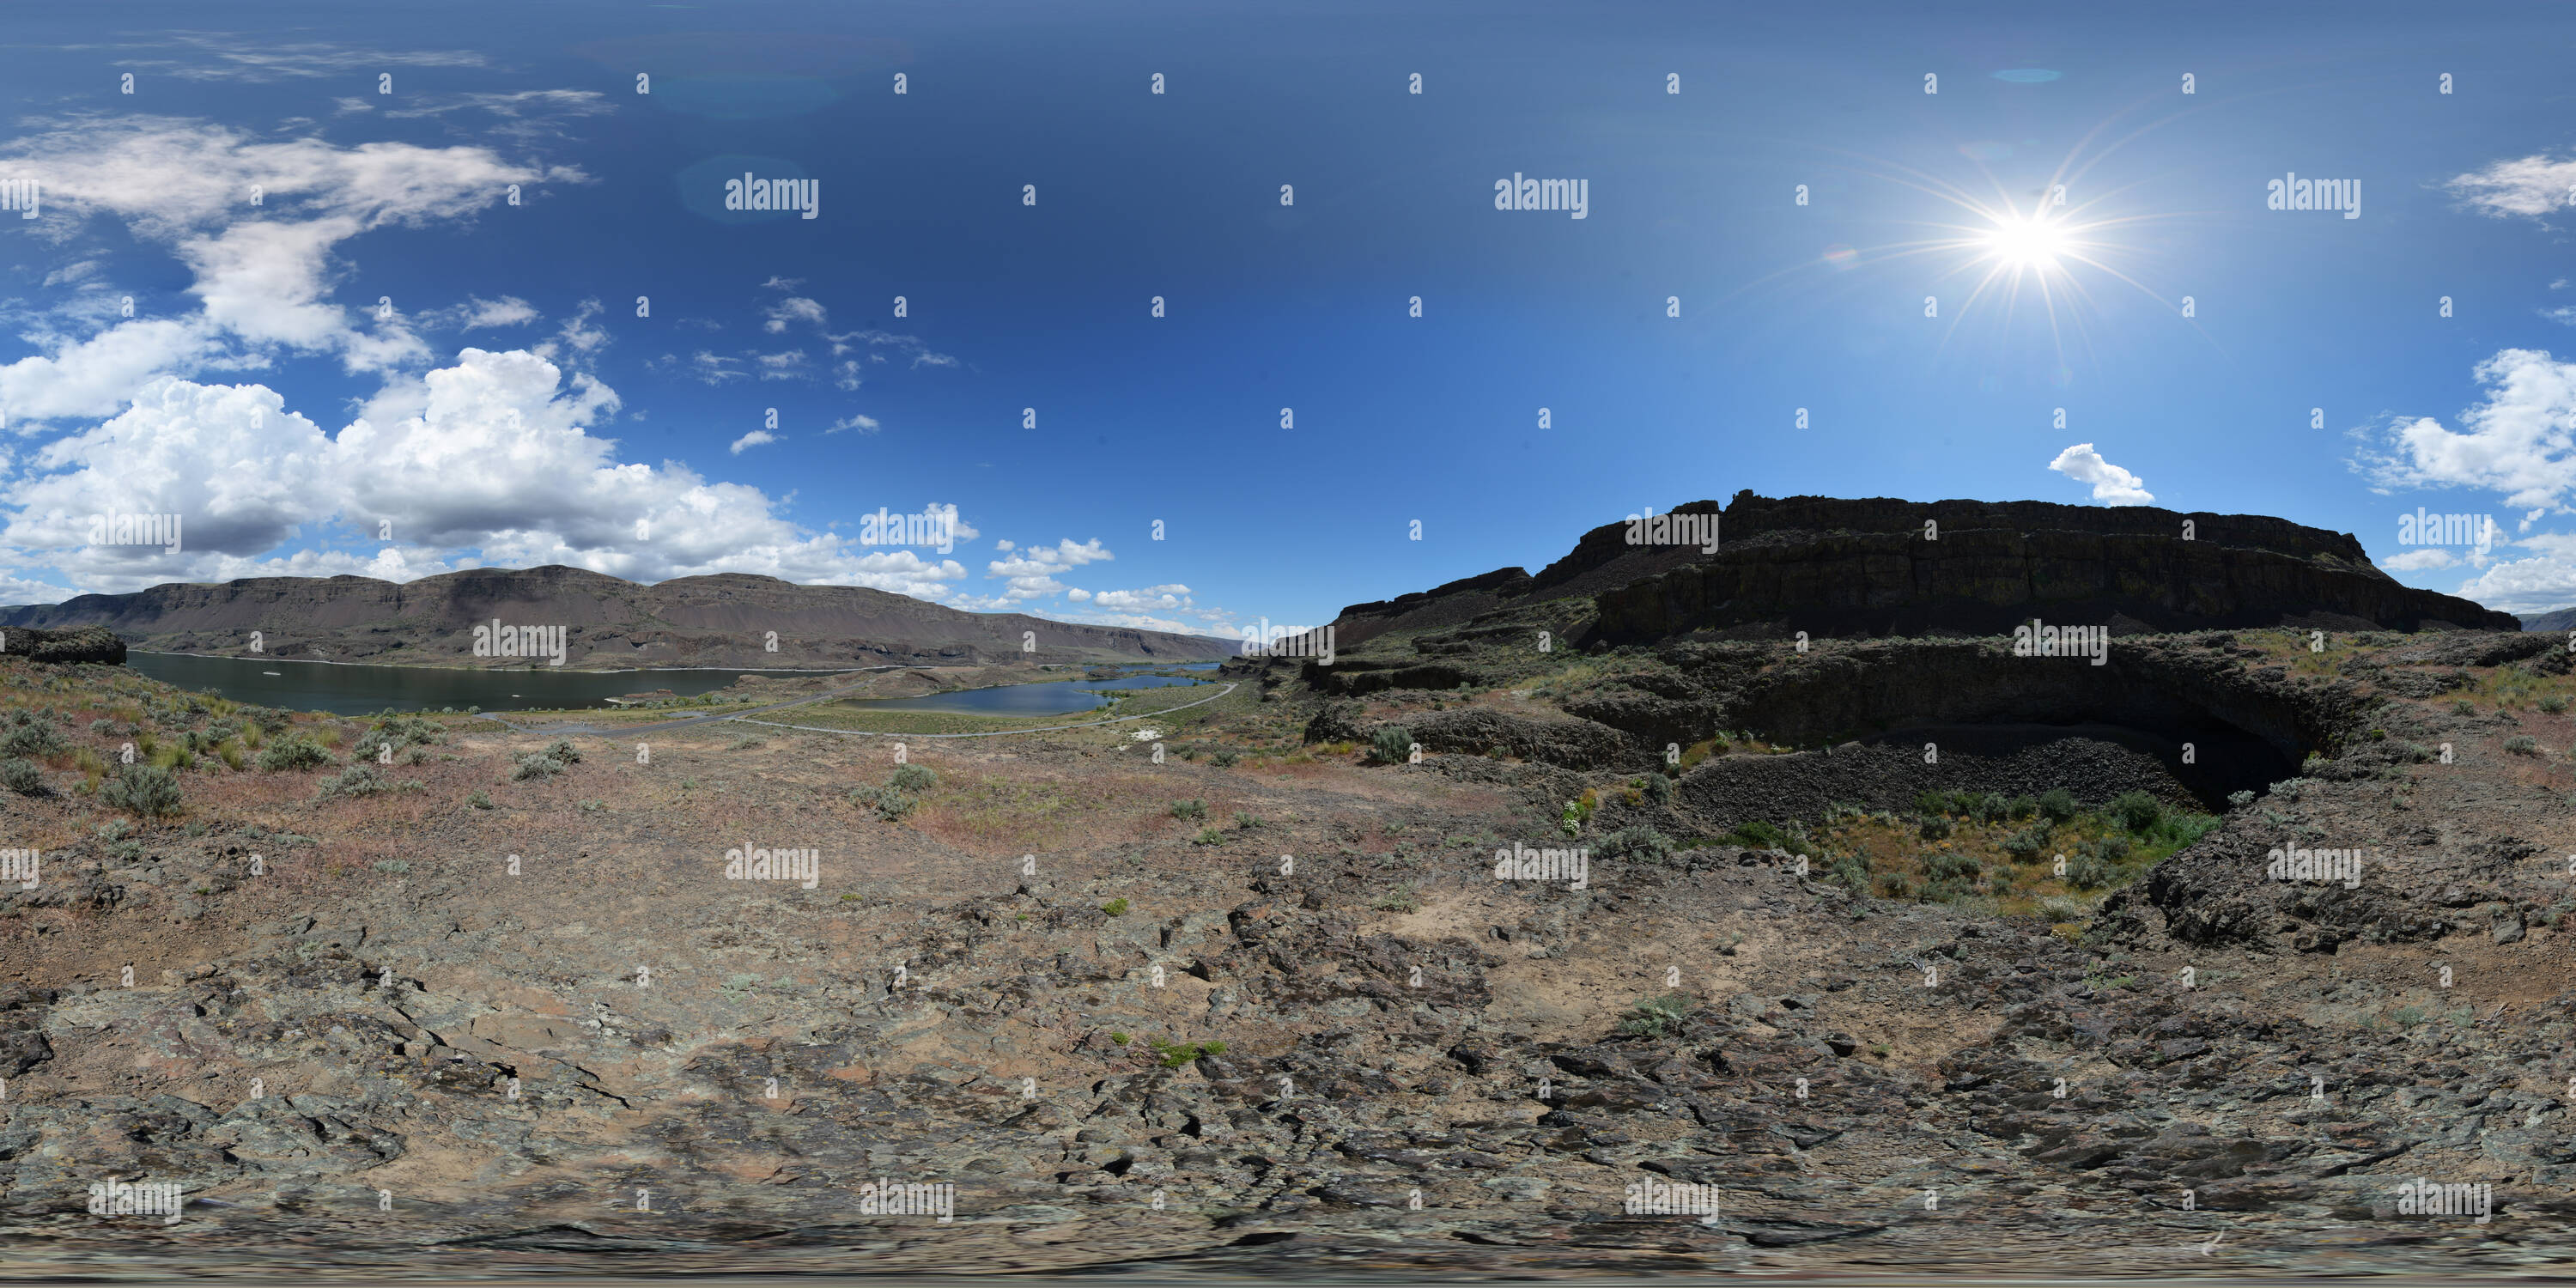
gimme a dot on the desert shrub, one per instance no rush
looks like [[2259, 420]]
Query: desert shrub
[[2464, 707], [1930, 803], [2522, 744], [1651, 1016], [2554, 704], [2137, 811], [563, 750], [1991, 808], [2021, 808], [1758, 835], [1390, 745], [1936, 827], [913, 778], [292, 753], [2239, 800], [1225, 759], [356, 780], [1189, 809], [1115, 907], [2057, 805], [399, 732], [1849, 871], [1636, 844], [143, 790], [889, 803], [478, 799], [2088, 873], [34, 739], [1659, 789], [2026, 844], [21, 776], [535, 765], [1943, 865]]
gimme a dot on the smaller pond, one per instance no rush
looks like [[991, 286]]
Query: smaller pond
[[1053, 698]]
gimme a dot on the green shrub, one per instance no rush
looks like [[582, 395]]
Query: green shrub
[[2057, 805], [561, 749], [1637, 845], [1224, 759], [1849, 871], [21, 776], [1758, 835], [1928, 804], [2464, 707], [298, 752], [143, 790], [478, 799], [913, 778], [1659, 789], [1115, 907], [2021, 808], [2137, 811], [1936, 827], [1390, 745], [2554, 704], [1991, 808], [1189, 809], [1653, 1015], [1209, 836], [356, 780], [2026, 844], [889, 803], [534, 765], [2088, 873], [2522, 744], [1942, 865], [34, 739]]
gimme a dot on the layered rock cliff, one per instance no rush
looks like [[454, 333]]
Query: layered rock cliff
[[1873, 567], [724, 620]]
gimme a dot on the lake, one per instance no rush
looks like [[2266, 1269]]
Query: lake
[[364, 690], [1053, 698]]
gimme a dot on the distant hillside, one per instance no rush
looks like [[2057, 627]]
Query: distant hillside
[[1837, 567], [723, 620], [2563, 619]]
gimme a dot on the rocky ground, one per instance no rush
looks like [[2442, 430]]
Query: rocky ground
[[1263, 1007]]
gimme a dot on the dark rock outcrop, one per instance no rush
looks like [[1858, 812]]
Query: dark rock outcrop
[[87, 644], [1874, 567]]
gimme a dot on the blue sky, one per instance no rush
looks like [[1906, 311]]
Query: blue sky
[[257, 392]]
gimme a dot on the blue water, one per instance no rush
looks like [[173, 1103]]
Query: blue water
[[1053, 698]]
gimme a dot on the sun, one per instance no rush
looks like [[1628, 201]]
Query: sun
[[2026, 242]]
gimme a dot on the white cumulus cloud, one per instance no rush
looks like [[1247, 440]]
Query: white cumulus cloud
[[2111, 484]]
